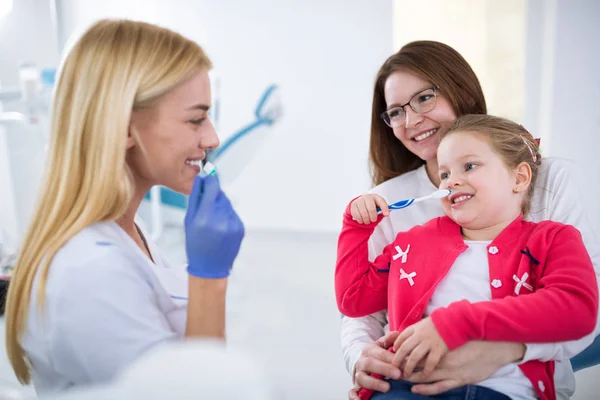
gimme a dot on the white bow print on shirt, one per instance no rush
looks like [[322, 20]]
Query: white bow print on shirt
[[401, 253], [521, 282], [404, 275]]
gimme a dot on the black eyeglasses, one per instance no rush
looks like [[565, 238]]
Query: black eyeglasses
[[420, 103]]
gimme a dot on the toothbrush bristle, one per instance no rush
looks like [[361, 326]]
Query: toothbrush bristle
[[441, 193], [209, 168]]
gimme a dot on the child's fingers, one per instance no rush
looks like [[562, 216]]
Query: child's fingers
[[416, 355], [364, 213], [355, 211], [382, 204], [364, 208], [400, 346], [406, 348], [371, 208], [405, 334]]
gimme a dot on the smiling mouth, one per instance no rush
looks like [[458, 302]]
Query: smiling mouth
[[461, 199], [425, 135], [194, 163]]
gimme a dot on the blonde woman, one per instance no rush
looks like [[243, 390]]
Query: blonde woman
[[86, 298]]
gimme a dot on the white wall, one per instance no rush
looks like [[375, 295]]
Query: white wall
[[489, 34], [323, 54], [563, 86], [8, 220], [26, 34]]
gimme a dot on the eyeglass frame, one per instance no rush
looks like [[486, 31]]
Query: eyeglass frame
[[385, 113]]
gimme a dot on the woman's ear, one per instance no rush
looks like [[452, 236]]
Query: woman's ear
[[522, 176], [131, 136]]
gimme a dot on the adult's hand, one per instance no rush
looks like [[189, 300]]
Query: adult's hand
[[375, 359], [213, 230], [469, 364]]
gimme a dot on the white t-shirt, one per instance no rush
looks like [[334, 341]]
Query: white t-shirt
[[106, 304], [469, 279], [556, 197]]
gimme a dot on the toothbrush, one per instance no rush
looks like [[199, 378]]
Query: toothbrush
[[208, 169], [405, 203]]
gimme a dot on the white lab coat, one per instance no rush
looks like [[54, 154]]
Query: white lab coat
[[106, 304]]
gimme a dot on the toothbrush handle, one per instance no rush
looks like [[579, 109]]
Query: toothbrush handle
[[405, 203], [399, 204]]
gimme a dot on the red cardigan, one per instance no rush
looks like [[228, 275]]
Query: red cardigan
[[547, 262]]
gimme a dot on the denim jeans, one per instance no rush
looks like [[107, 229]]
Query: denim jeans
[[401, 391]]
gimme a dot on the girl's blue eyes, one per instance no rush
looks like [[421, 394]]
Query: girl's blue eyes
[[468, 167]]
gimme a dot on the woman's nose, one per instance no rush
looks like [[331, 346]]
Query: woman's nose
[[413, 118], [209, 138]]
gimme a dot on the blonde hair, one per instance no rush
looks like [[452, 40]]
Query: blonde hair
[[117, 66], [508, 139]]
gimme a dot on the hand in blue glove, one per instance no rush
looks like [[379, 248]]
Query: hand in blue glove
[[213, 230]]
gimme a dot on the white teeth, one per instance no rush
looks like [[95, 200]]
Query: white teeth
[[425, 135], [194, 162], [461, 198]]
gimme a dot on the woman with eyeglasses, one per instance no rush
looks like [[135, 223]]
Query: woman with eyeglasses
[[419, 92]]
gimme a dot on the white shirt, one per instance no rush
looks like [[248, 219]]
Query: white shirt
[[469, 279], [106, 304], [556, 197]]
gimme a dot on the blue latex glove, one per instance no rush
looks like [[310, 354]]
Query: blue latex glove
[[213, 230]]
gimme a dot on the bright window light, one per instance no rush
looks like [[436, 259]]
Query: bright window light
[[5, 7]]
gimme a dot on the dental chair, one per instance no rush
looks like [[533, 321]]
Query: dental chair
[[587, 358]]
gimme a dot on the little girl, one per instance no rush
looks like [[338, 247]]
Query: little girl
[[479, 273]]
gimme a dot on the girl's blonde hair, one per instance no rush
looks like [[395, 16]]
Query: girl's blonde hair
[[510, 140], [117, 66]]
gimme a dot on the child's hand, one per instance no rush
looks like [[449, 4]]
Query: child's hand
[[417, 342], [364, 208]]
